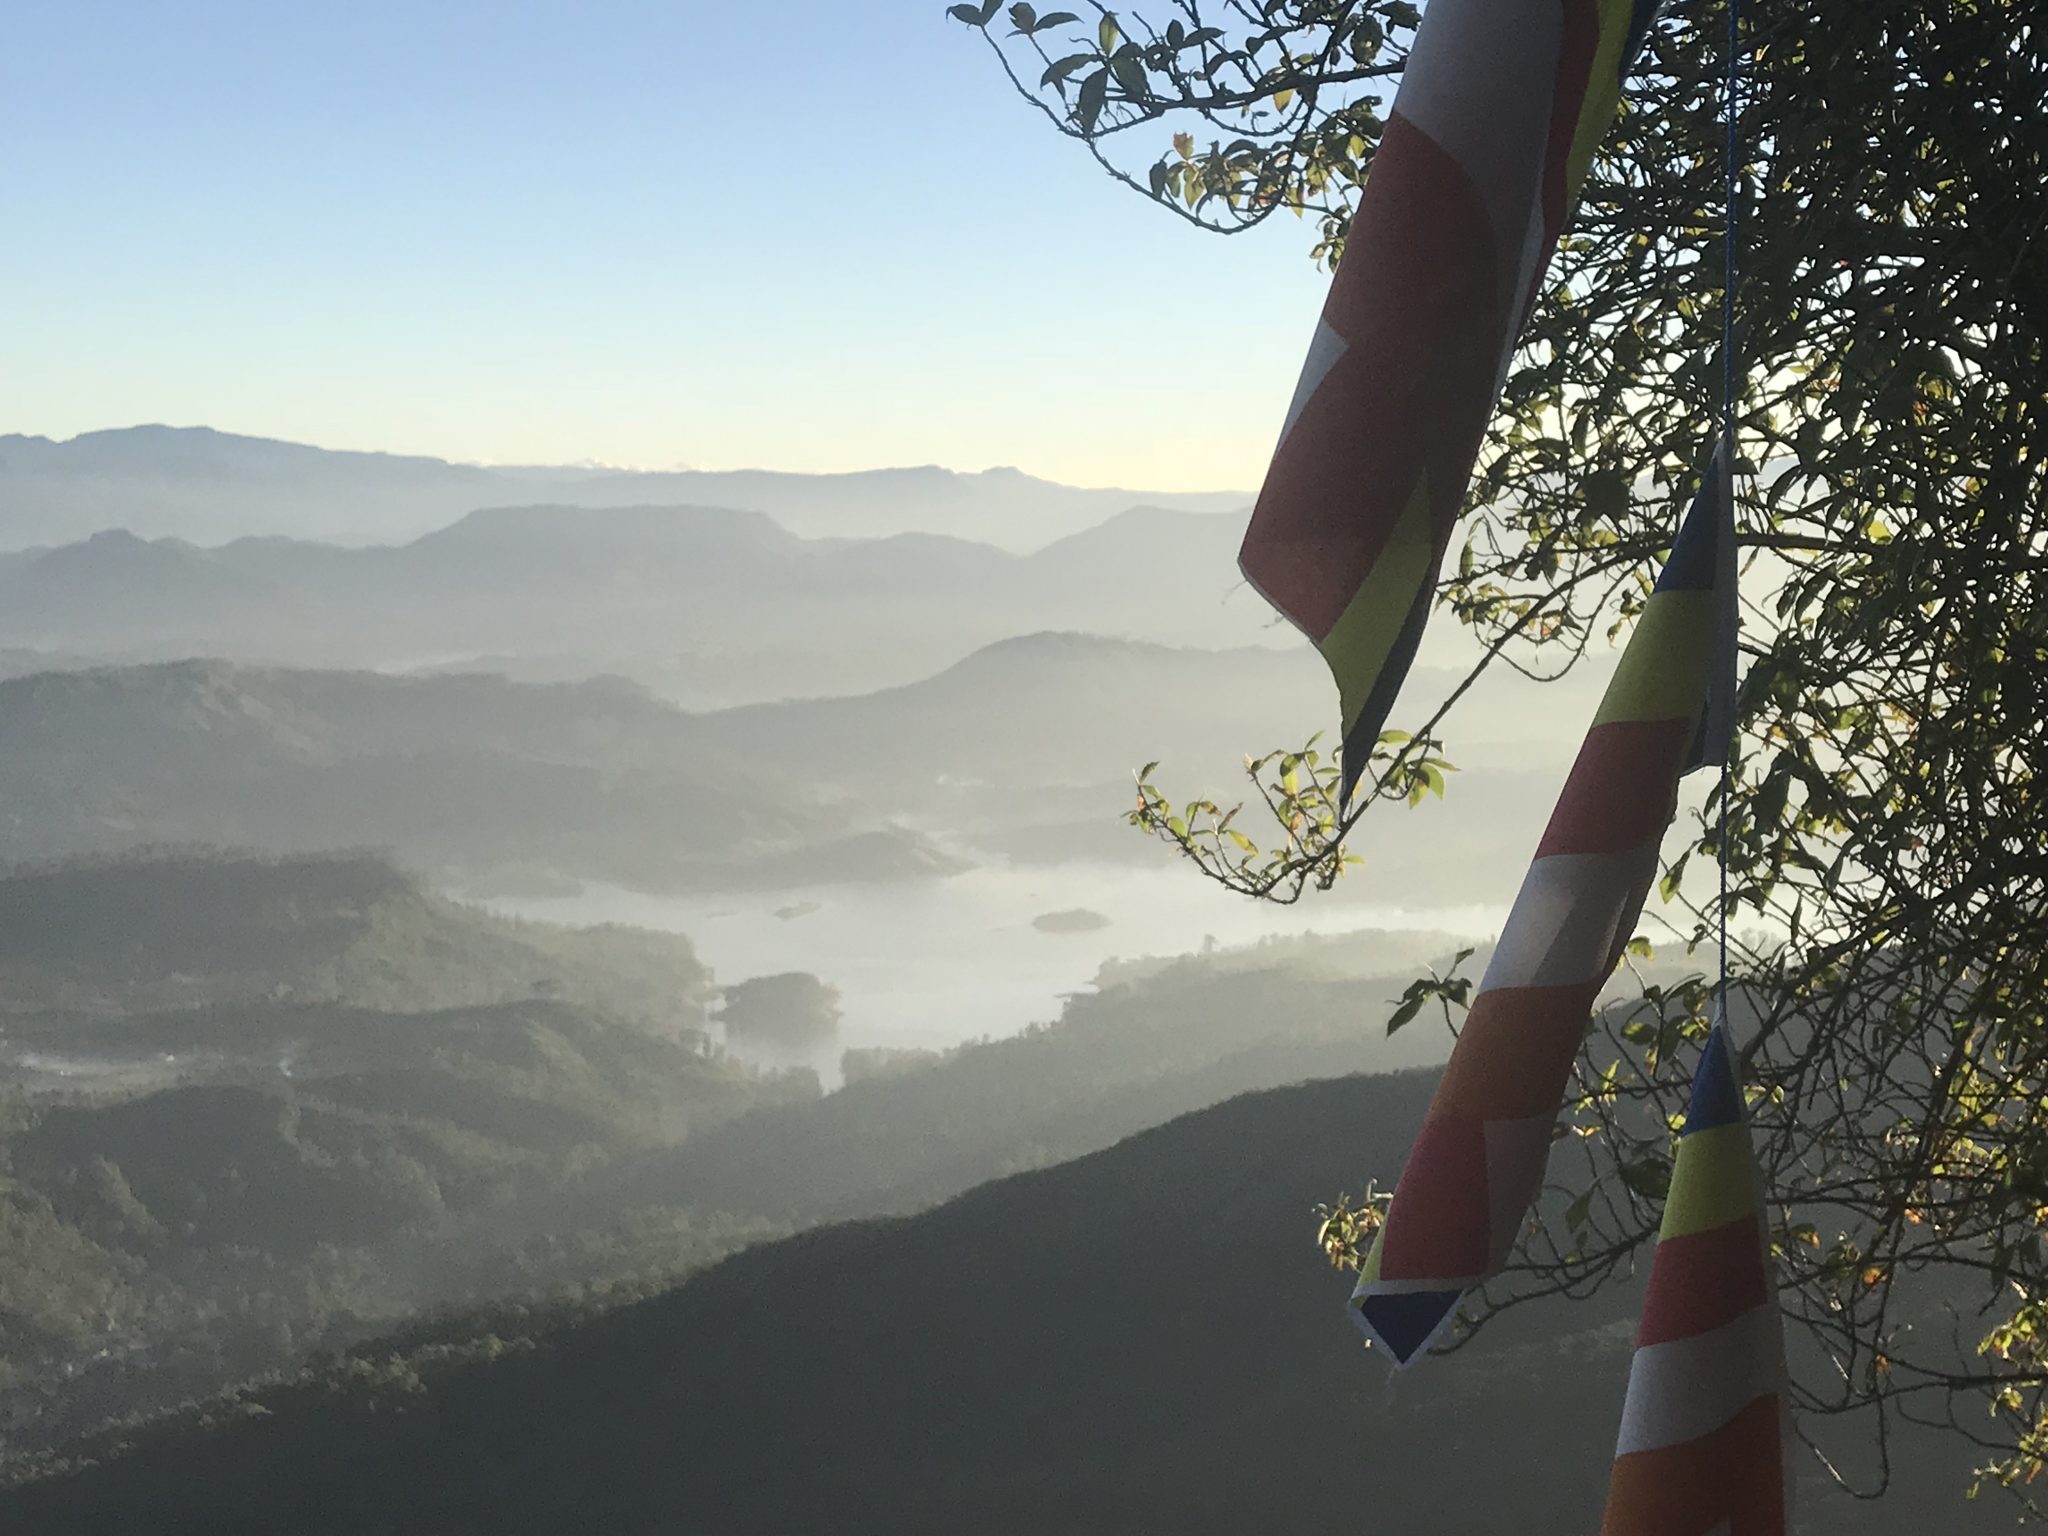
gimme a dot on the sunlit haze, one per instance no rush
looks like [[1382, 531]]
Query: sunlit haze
[[812, 237]]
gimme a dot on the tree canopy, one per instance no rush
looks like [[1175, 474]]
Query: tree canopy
[[1887, 851]]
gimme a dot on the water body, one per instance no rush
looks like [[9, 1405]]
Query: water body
[[933, 963]]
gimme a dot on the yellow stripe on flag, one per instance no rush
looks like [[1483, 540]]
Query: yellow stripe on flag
[[1369, 1271], [1662, 674], [1603, 96], [1711, 1184], [1358, 643]]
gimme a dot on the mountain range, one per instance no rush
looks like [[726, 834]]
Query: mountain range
[[706, 605], [1022, 749], [207, 486]]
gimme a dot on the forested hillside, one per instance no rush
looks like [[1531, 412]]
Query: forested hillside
[[256, 1107], [1142, 1340]]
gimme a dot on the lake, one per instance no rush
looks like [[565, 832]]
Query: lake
[[932, 963]]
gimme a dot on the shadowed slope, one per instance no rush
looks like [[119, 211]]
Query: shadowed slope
[[1142, 1340]]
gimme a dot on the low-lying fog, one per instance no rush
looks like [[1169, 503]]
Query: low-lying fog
[[932, 963]]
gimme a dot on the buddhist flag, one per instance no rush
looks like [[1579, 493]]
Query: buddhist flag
[[1478, 1161], [1702, 1449], [1480, 164]]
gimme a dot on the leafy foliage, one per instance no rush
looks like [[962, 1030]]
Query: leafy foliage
[[1299, 793], [1883, 830]]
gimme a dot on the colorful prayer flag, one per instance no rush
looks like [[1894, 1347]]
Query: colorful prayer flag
[[1477, 1164], [1702, 1446], [1489, 139]]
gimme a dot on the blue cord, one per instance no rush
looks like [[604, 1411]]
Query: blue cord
[[1731, 188]]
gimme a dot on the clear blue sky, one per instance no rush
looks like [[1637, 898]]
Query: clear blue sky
[[801, 235]]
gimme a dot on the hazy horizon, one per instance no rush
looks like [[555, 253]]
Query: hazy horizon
[[596, 467]]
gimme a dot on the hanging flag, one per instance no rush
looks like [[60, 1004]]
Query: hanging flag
[[1703, 1429], [1478, 1162], [1477, 171]]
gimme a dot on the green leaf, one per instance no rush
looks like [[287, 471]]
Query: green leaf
[[1059, 69], [1406, 1012], [970, 14], [1649, 1177], [1094, 91], [1023, 17], [1107, 34], [1056, 19], [1579, 1211]]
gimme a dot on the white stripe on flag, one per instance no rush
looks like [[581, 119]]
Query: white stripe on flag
[[1479, 83], [1563, 926], [1323, 351], [1688, 1388]]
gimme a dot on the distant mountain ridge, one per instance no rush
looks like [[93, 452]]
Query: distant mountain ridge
[[710, 605], [1023, 748], [211, 486]]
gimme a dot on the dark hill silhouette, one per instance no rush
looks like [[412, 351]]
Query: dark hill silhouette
[[1144, 1340]]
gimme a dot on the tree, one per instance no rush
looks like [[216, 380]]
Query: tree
[[1886, 838]]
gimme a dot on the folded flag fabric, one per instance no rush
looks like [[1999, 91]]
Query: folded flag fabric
[[1492, 130], [1702, 1447], [1477, 1164]]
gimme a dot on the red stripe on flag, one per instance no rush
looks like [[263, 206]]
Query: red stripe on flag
[[1704, 1280], [1735, 1475], [1416, 302], [1580, 42], [1515, 1051], [1437, 1226], [1622, 789]]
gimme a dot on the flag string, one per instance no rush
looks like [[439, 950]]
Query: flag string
[[1731, 189]]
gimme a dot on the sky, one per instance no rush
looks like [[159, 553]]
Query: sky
[[805, 236]]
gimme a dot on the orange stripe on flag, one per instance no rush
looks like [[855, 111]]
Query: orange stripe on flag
[[1732, 1477], [1515, 1051]]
